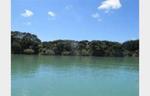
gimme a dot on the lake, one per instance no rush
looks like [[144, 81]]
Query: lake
[[33, 75]]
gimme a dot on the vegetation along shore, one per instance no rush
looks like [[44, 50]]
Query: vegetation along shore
[[27, 43]]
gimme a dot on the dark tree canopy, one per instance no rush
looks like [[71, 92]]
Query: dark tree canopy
[[22, 42], [27, 43]]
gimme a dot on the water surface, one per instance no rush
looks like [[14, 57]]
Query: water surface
[[74, 76]]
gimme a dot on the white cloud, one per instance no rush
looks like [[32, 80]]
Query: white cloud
[[97, 16], [110, 4], [27, 13], [28, 23], [52, 14], [68, 7]]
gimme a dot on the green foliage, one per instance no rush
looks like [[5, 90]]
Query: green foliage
[[28, 51], [131, 48], [45, 51], [21, 41], [26, 43]]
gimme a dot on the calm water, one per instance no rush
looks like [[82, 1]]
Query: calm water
[[74, 76]]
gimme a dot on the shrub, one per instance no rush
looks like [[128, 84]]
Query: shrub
[[28, 51]]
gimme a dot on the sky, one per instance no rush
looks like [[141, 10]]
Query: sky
[[113, 20]]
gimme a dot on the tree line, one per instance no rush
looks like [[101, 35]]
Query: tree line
[[27, 43]]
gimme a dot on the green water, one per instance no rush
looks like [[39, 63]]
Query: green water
[[74, 76]]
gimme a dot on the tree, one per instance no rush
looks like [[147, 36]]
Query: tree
[[27, 43], [22, 41], [131, 48]]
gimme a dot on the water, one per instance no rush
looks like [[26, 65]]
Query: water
[[74, 76]]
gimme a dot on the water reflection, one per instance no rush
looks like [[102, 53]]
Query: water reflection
[[30, 64]]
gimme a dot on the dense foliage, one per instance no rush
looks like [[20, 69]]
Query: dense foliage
[[26, 43]]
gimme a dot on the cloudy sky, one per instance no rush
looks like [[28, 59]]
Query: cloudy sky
[[115, 20]]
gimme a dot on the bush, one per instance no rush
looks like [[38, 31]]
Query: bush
[[66, 53], [28, 51], [47, 52]]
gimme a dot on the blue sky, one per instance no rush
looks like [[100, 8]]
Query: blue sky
[[115, 20]]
